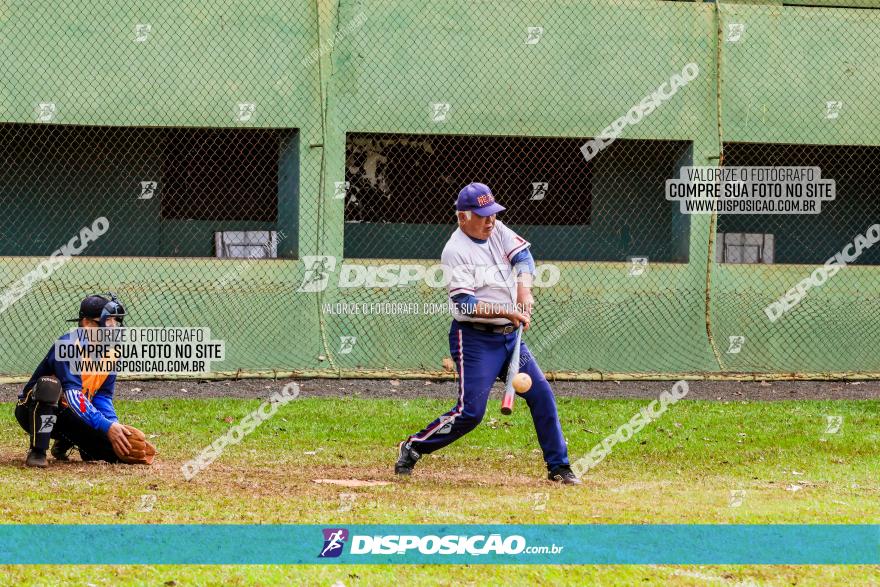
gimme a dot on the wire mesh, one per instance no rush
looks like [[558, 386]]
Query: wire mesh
[[249, 160]]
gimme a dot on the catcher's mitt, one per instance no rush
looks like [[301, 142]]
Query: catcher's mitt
[[142, 451]]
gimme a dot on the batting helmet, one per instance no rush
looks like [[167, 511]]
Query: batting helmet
[[98, 307]]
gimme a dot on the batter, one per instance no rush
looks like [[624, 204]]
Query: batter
[[491, 271]]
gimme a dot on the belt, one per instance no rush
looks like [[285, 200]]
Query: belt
[[493, 328]]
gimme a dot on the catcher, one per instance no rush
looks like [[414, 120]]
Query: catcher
[[76, 410]]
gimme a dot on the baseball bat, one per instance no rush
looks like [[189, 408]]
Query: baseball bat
[[512, 370]]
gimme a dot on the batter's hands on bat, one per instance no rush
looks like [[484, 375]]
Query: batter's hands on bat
[[118, 438], [520, 318]]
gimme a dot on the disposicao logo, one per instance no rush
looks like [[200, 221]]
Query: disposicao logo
[[403, 544], [334, 540]]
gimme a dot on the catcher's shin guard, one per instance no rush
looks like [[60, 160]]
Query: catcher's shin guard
[[43, 411]]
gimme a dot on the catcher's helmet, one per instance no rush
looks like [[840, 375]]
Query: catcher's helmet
[[97, 307]]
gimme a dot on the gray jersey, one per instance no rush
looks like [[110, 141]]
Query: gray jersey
[[483, 270]]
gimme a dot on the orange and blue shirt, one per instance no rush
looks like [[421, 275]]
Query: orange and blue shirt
[[89, 395]]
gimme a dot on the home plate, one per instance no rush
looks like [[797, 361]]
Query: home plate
[[351, 482]]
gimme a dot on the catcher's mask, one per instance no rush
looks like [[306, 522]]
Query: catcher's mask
[[98, 307]]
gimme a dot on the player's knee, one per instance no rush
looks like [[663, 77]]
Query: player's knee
[[468, 424], [472, 418], [47, 390]]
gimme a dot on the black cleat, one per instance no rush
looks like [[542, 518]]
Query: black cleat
[[60, 450], [563, 474], [86, 457], [36, 458], [406, 459]]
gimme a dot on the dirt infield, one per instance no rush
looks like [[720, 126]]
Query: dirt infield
[[415, 388]]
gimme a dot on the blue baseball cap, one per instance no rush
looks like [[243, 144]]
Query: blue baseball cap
[[478, 198]]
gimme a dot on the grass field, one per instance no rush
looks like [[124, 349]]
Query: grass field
[[683, 468]]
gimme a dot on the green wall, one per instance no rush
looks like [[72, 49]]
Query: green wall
[[596, 60], [200, 61], [629, 216], [74, 176]]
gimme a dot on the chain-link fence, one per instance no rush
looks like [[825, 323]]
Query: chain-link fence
[[286, 176]]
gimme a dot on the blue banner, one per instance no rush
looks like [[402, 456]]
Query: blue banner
[[440, 544]]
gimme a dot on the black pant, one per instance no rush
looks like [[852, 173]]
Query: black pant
[[43, 421]]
